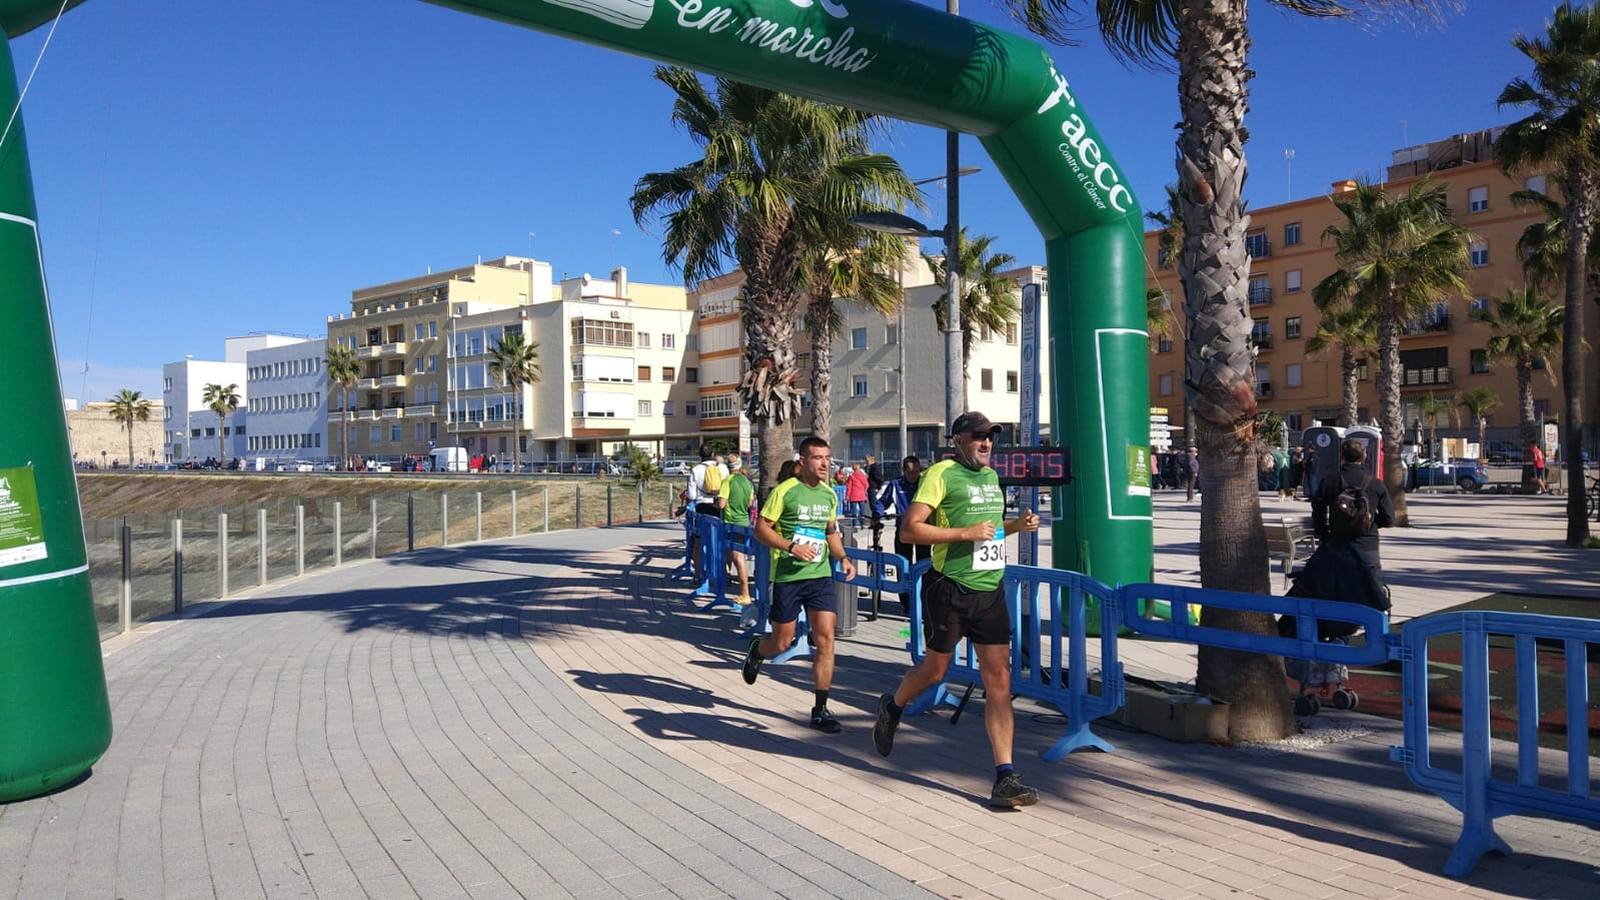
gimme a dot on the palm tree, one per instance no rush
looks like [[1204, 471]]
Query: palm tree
[[1208, 42], [222, 400], [764, 154], [1431, 406], [1527, 329], [989, 299], [515, 361], [1401, 253], [1562, 135], [344, 370], [1543, 245], [1479, 403], [1158, 317], [128, 407], [1351, 330], [853, 263]]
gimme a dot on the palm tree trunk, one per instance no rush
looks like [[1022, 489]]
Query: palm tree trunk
[[769, 313], [819, 321], [1212, 74], [1483, 428], [344, 426], [222, 444], [1390, 413], [1579, 222], [966, 369], [130, 443], [1352, 388], [1530, 423], [516, 427]]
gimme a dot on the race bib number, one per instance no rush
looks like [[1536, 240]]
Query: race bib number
[[811, 537], [989, 555]]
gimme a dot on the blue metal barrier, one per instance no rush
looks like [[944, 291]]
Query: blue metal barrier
[[1040, 670], [1474, 790], [1303, 646]]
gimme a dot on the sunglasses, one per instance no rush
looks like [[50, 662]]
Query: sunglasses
[[981, 435]]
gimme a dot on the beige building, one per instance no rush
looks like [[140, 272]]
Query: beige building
[[1442, 353], [101, 442]]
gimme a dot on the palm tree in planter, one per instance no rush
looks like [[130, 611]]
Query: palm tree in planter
[[516, 363], [1431, 406], [344, 370], [222, 400], [1561, 135], [989, 299], [1402, 253], [128, 407], [1478, 403], [1352, 332], [1527, 330], [763, 156]]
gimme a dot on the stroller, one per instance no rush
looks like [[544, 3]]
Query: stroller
[[1335, 571]]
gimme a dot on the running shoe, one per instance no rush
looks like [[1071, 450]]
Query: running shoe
[[1010, 793], [883, 729], [752, 661], [823, 721]]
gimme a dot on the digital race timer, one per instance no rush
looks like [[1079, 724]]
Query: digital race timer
[[1028, 466]]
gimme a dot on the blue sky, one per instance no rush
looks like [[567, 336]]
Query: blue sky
[[212, 169]]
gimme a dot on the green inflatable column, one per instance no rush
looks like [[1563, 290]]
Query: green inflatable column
[[55, 720]]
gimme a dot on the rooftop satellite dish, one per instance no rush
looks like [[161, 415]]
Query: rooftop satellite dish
[[586, 278]]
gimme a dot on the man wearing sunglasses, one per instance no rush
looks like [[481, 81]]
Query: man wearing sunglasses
[[959, 510]]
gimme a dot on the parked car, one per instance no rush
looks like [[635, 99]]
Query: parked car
[[1466, 474], [676, 467]]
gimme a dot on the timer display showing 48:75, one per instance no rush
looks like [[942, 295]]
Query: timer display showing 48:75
[[1029, 466]]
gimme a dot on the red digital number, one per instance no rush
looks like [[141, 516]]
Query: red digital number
[[1055, 466]]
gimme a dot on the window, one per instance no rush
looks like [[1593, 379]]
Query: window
[[644, 373], [985, 334], [1292, 375], [1163, 344], [433, 328], [1479, 362], [1363, 372], [669, 373], [420, 432], [644, 339], [166, 384], [1260, 290], [891, 334], [1294, 421], [1291, 281], [433, 362], [602, 333], [691, 375], [1477, 199], [374, 433], [1291, 328], [691, 408], [1480, 254], [1534, 183], [691, 342], [669, 342], [419, 365], [858, 339], [395, 433], [1291, 234], [1013, 385], [1161, 257], [986, 380], [717, 406], [1011, 333], [1256, 244], [421, 331], [1164, 385], [1478, 305], [858, 386], [668, 408], [645, 407]]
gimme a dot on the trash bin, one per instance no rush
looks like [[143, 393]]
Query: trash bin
[[846, 590]]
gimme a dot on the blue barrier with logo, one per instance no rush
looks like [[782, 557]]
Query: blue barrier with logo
[[1473, 789]]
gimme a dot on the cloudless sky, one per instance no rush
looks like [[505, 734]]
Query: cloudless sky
[[206, 170]]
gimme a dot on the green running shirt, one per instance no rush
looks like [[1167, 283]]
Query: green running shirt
[[801, 514], [960, 497], [738, 492]]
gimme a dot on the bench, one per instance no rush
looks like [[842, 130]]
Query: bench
[[1290, 539]]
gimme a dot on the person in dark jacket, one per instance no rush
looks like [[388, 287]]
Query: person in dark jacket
[[895, 497], [1345, 567]]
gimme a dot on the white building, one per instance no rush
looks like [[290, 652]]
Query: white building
[[193, 431], [287, 386]]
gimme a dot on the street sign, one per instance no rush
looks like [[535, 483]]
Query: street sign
[[1028, 545], [744, 434]]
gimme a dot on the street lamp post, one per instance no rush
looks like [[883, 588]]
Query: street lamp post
[[954, 386]]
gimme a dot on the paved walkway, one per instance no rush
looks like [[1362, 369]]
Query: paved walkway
[[547, 717]]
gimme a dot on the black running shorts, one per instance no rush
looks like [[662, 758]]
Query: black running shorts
[[815, 594], [951, 612]]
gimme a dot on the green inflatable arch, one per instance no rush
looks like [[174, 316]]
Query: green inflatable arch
[[887, 56]]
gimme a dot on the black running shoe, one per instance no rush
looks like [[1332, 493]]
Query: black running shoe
[[823, 721], [1010, 793], [752, 661], [883, 729]]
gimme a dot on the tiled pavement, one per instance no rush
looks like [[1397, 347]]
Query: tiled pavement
[[546, 717]]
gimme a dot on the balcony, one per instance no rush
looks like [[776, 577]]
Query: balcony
[[1260, 294], [1263, 389], [1430, 325], [422, 409], [393, 412], [1261, 340], [393, 381], [1420, 378], [1257, 246]]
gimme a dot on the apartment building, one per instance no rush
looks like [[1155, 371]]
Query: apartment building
[[191, 430], [288, 389], [1443, 352], [617, 364]]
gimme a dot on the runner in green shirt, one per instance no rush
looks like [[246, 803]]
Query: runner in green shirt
[[799, 523], [734, 501], [959, 509]]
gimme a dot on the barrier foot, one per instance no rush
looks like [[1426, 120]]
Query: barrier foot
[[938, 695], [718, 603], [683, 572], [1475, 841], [1079, 738], [801, 649]]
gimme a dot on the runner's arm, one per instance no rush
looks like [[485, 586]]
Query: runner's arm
[[769, 536], [1027, 521], [917, 529]]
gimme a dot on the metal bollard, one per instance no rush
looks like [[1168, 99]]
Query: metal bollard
[[444, 517], [125, 602], [477, 499], [513, 512], [261, 541], [577, 506], [177, 567], [222, 555], [547, 509], [846, 626], [299, 539], [338, 534], [372, 530], [640, 492], [608, 506], [411, 522]]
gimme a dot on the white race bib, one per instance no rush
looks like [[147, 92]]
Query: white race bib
[[989, 555], [811, 537]]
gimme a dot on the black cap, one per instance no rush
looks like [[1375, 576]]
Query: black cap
[[969, 422]]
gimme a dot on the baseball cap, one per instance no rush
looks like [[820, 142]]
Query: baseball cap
[[971, 422], [735, 464]]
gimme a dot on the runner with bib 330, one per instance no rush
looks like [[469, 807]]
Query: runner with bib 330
[[959, 509]]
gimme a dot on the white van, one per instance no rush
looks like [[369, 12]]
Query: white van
[[449, 459]]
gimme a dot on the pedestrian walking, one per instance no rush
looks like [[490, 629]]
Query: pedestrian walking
[[800, 523], [705, 483], [959, 510], [1536, 455], [855, 493], [734, 503]]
